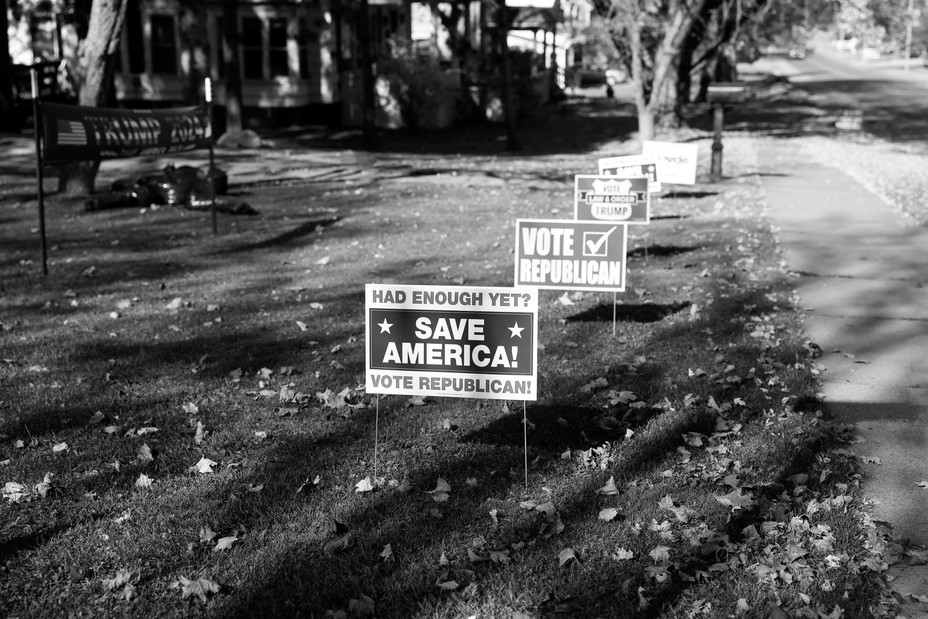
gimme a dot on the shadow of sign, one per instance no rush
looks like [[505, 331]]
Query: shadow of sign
[[645, 312]]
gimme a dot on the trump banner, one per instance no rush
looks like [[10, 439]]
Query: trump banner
[[472, 342], [77, 133]]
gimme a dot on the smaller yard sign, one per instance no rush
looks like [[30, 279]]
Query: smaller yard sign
[[472, 342], [609, 198], [629, 166], [677, 162]]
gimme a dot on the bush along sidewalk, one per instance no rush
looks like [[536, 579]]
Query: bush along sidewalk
[[196, 443]]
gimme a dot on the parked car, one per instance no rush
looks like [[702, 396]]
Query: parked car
[[798, 53]]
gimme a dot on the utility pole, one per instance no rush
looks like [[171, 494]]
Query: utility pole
[[908, 33], [512, 136]]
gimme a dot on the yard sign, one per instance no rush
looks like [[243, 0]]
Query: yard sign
[[570, 255], [677, 162], [609, 198], [633, 166], [475, 342]]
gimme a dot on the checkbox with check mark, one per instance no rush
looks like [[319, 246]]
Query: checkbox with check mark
[[596, 244]]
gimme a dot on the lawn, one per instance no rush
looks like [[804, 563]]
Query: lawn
[[184, 428]]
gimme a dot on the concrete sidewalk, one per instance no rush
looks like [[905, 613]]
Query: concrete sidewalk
[[863, 278]]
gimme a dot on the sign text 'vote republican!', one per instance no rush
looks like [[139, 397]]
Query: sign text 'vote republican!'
[[473, 342], [570, 255]]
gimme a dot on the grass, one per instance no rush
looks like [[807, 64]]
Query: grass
[[732, 495]]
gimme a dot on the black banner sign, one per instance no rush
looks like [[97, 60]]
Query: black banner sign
[[77, 133]]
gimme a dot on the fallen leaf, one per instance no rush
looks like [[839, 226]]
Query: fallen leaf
[[609, 488], [58, 448], [144, 454], [365, 485], [564, 299], [15, 492], [599, 383], [323, 261], [338, 544], [122, 577], [204, 465], [566, 555], [144, 481], [363, 605], [175, 304], [735, 499], [660, 554], [473, 557], [224, 543], [190, 408], [441, 491], [621, 554], [608, 514], [448, 585], [200, 433], [301, 325], [387, 553], [128, 592], [146, 430], [207, 535], [416, 400], [201, 587]]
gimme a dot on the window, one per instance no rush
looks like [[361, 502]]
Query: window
[[219, 47], [44, 33], [278, 55], [163, 45], [135, 38], [252, 48]]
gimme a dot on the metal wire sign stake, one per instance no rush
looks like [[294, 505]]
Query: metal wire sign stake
[[451, 341]]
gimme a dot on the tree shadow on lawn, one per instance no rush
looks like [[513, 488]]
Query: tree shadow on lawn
[[297, 232], [402, 520], [571, 127]]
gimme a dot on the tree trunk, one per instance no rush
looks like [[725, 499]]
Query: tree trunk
[[94, 79], [645, 114], [230, 47], [6, 70], [368, 94]]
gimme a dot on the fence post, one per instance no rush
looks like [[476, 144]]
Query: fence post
[[34, 74]]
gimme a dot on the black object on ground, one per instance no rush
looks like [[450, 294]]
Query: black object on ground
[[184, 186]]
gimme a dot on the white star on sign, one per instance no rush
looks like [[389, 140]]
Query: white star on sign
[[516, 330], [385, 326]]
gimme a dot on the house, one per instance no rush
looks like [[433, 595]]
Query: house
[[297, 60]]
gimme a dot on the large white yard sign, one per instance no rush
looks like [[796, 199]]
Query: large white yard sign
[[677, 162]]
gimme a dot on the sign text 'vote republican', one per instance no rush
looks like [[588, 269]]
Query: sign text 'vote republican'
[[570, 255]]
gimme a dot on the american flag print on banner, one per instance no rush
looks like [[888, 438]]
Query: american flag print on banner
[[71, 133]]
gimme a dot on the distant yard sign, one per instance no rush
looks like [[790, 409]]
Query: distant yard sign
[[677, 162], [570, 255], [455, 341], [531, 4], [629, 166], [609, 198]]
